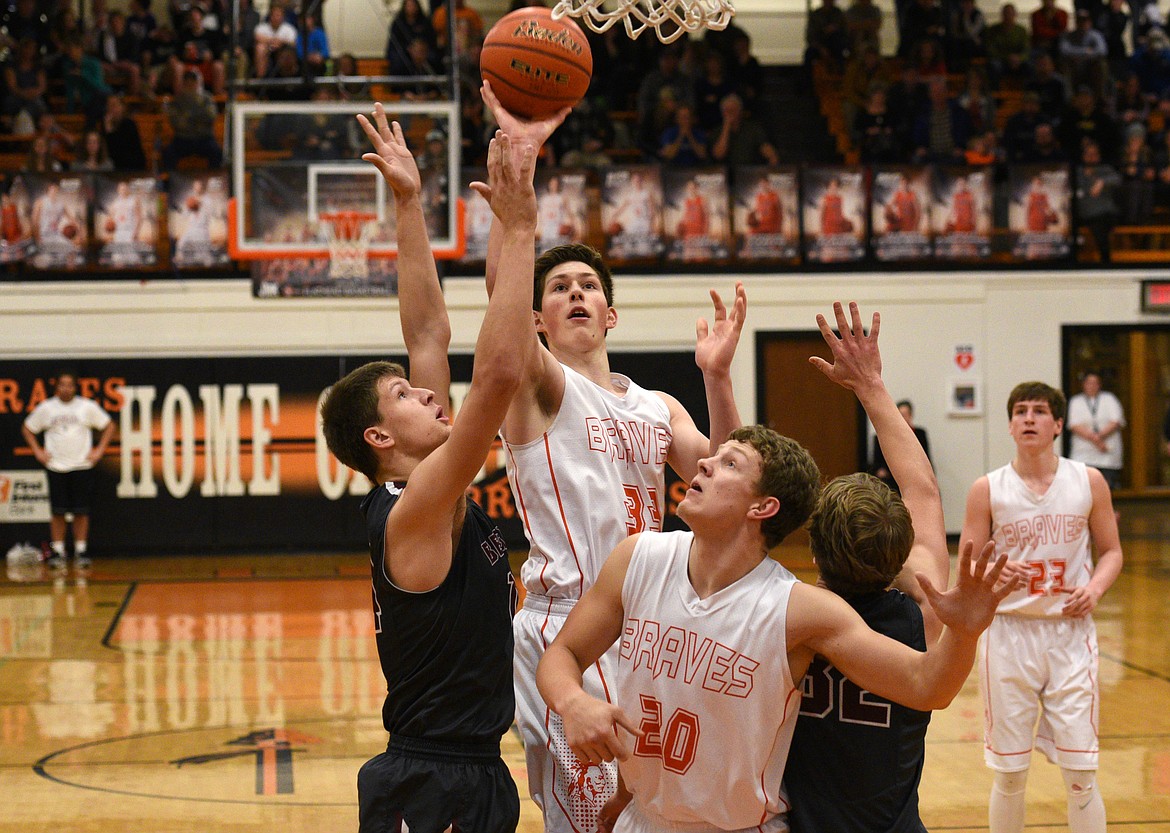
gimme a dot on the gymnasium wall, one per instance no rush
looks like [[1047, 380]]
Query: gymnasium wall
[[1007, 325]]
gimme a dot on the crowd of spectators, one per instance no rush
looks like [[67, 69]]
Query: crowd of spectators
[[1090, 89]]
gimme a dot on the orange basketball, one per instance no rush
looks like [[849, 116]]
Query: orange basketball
[[111, 225], [536, 65], [192, 203], [69, 230]]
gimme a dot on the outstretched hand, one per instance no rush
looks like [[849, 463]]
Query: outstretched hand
[[522, 131], [969, 606], [391, 156], [715, 345], [856, 359], [509, 188]]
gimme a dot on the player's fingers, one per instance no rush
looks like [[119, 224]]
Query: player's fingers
[[380, 119], [622, 719], [369, 130], [875, 325], [483, 189], [720, 308], [398, 136], [378, 162], [740, 310], [820, 364], [842, 324], [701, 329], [965, 559], [928, 588], [528, 162], [826, 332], [855, 319]]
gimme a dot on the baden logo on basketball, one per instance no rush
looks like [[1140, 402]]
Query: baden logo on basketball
[[533, 30]]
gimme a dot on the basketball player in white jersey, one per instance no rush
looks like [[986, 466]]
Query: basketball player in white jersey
[[126, 213], [554, 217], [1040, 654], [586, 451], [713, 636], [50, 213]]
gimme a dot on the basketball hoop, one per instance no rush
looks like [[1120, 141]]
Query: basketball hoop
[[669, 18], [348, 235]]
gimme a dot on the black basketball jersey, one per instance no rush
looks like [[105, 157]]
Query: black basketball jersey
[[856, 758], [447, 653]]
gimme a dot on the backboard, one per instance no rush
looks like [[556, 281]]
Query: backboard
[[294, 164]]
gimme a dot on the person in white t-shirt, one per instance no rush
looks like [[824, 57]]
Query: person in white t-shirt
[[1095, 419], [67, 422]]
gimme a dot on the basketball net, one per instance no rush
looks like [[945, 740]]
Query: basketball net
[[348, 235], [669, 18]]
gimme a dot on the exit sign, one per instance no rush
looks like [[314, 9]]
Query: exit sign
[[1156, 296]]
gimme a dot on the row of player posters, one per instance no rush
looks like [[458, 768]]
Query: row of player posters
[[118, 221], [833, 214]]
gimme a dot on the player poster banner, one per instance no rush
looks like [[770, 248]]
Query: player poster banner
[[308, 277], [899, 213], [560, 207], [961, 212], [834, 210], [631, 212], [197, 220], [1039, 215], [126, 220], [59, 220], [766, 214], [16, 240], [226, 453], [696, 215], [477, 217]]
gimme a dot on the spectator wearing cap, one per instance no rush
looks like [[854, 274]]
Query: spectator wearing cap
[[434, 154], [1151, 63], [1083, 53]]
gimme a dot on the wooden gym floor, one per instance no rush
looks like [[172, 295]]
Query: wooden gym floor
[[242, 694]]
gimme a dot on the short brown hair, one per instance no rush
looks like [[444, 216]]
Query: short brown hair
[[350, 407], [570, 253], [788, 474], [860, 535], [1038, 392]]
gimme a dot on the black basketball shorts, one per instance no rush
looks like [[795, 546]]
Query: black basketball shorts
[[432, 786]]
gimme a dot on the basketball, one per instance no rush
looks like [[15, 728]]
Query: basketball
[[192, 203], [536, 65], [69, 230]]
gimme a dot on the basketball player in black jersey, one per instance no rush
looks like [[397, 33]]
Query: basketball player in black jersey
[[443, 591], [856, 758]]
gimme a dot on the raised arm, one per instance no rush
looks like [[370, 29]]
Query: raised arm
[[857, 366], [821, 622], [419, 531], [422, 310], [595, 623], [521, 131], [714, 350]]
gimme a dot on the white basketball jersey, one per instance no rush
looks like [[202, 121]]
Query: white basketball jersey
[[708, 681], [1049, 532], [594, 478]]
